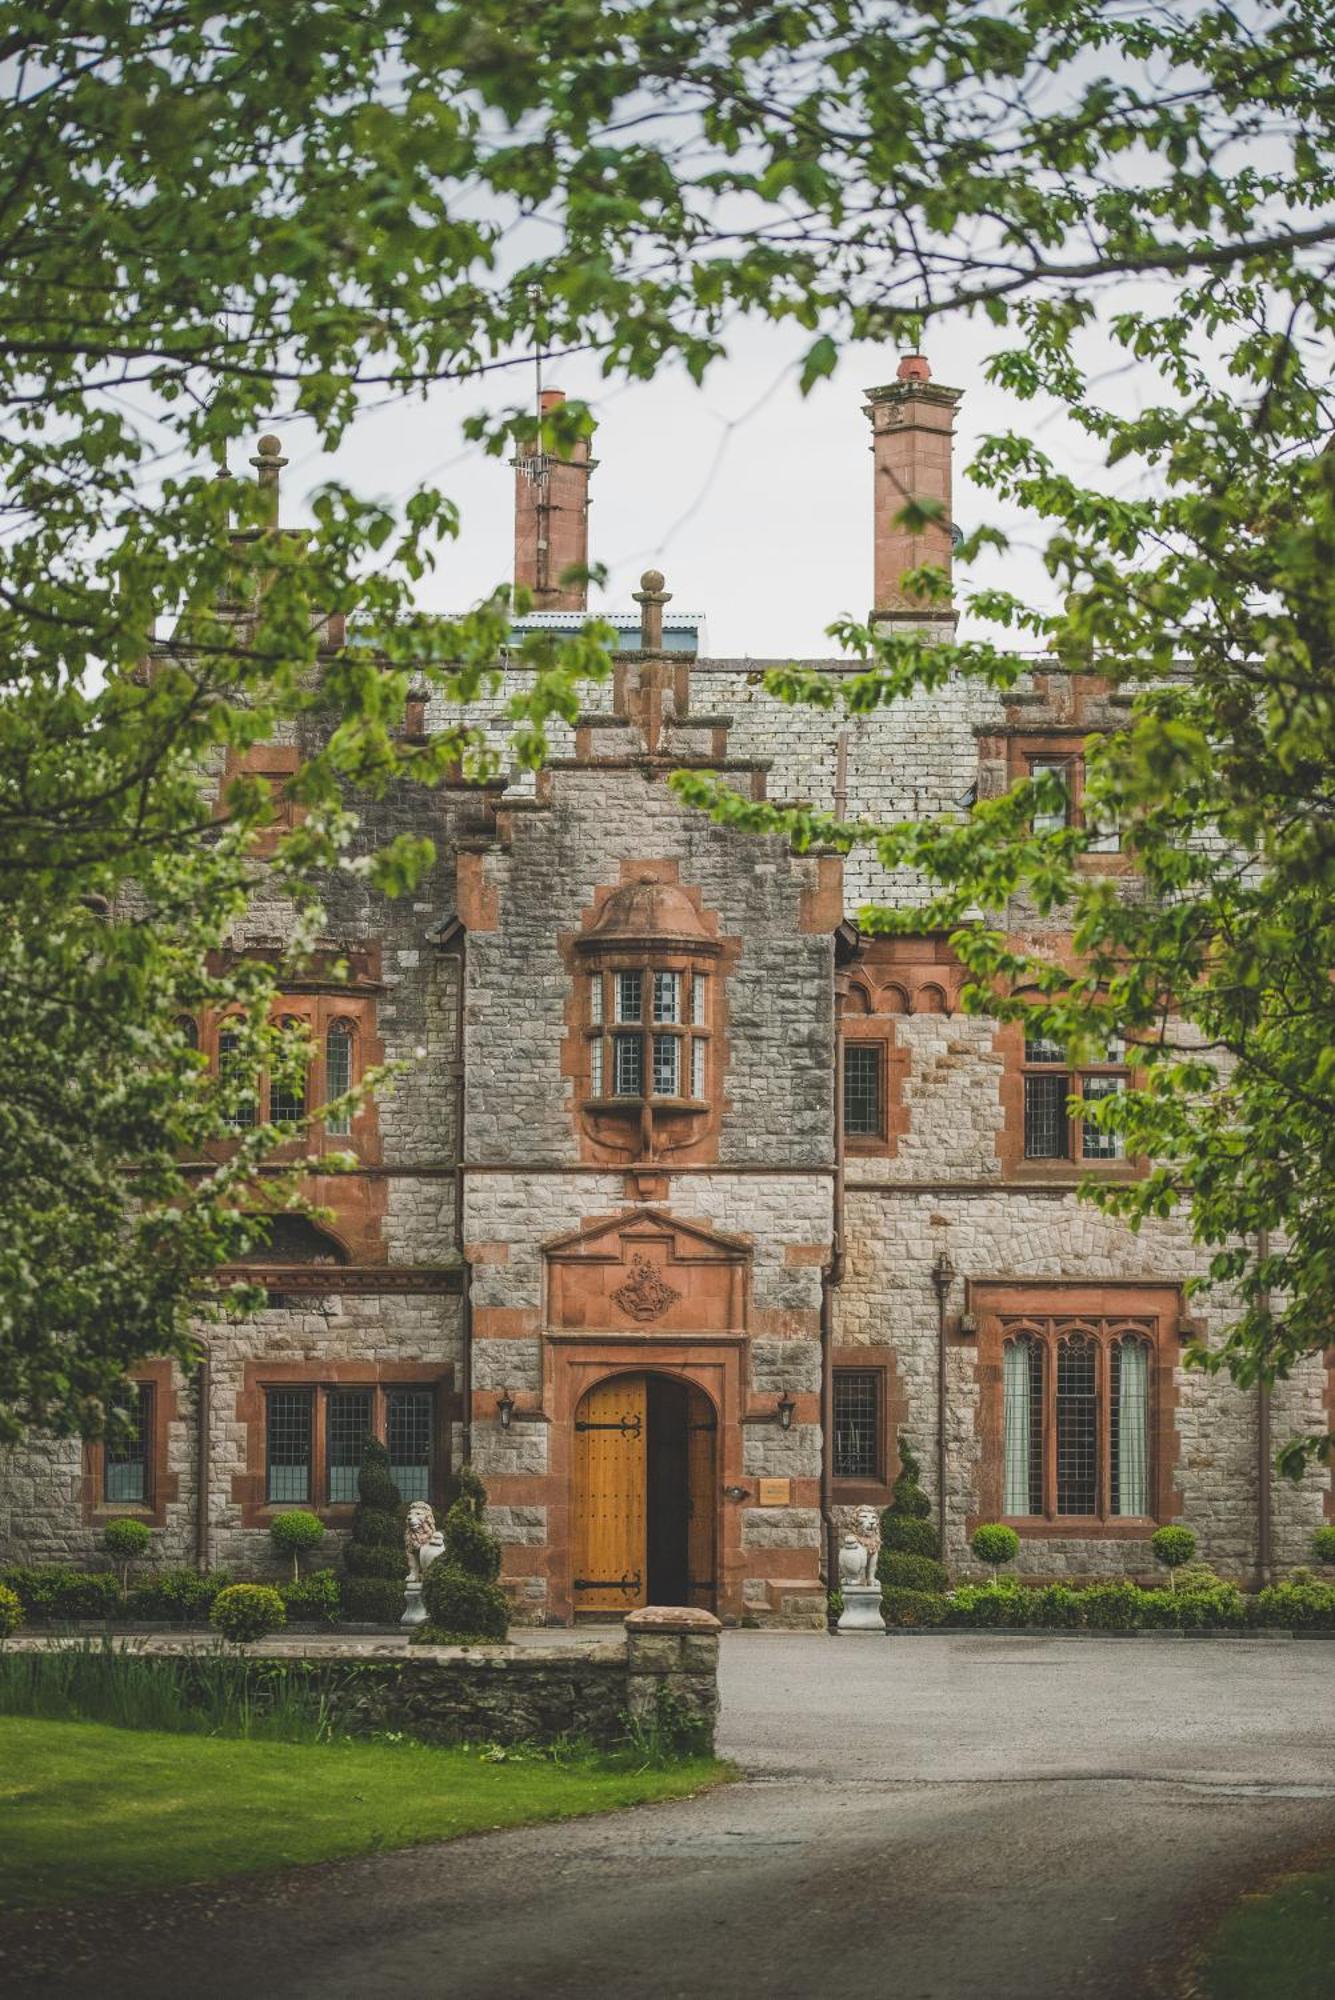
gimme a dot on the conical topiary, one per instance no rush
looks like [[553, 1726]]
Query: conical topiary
[[909, 1544], [373, 1558], [464, 1602]]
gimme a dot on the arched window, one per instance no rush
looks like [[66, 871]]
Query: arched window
[[1129, 1425], [1077, 1425], [237, 1080], [188, 1029], [1022, 1425], [338, 1074], [1077, 1429], [287, 1087]]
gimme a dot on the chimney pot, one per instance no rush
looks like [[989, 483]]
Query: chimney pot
[[915, 368]]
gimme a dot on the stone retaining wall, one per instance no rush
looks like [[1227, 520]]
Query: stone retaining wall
[[664, 1670]]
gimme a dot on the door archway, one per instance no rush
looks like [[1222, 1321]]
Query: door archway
[[645, 1495]]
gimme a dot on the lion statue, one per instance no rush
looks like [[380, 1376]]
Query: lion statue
[[422, 1539], [859, 1549]]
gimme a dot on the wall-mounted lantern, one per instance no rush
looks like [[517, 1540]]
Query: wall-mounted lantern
[[505, 1409], [785, 1409]]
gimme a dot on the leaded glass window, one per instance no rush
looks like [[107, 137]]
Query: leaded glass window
[[857, 1427], [125, 1459], [338, 1073], [408, 1438], [628, 1059], [347, 1427], [863, 1069], [1077, 1425], [288, 1444], [666, 1057], [233, 1073], [287, 1092]]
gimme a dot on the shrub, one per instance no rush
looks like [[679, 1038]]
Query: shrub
[[1222, 1609], [88, 1594], [461, 1609], [995, 1544], [462, 1597], [910, 1536], [182, 1596], [914, 1607], [1112, 1607], [37, 1585], [125, 1541], [1172, 1547], [315, 1597], [834, 1606], [247, 1611], [1056, 1607], [1197, 1576], [1323, 1544], [11, 1612], [292, 1534], [373, 1559], [980, 1605], [901, 1572], [372, 1600], [1302, 1607], [907, 1499]]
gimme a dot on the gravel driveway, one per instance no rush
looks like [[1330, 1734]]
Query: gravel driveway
[[922, 1818]]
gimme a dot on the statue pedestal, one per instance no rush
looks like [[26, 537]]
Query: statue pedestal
[[414, 1611], [862, 1609]]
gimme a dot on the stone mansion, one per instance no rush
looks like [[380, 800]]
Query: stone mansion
[[692, 1200]]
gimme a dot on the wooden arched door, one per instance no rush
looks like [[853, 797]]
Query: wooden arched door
[[645, 1501]]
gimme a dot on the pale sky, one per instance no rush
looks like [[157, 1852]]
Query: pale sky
[[755, 502]]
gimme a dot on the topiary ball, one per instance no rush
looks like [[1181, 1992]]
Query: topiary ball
[[295, 1532], [466, 1607], [246, 1611], [1173, 1546], [994, 1543], [11, 1612], [1323, 1545], [126, 1540]]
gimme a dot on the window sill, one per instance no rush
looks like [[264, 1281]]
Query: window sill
[[1082, 1527], [637, 1104], [876, 1493]]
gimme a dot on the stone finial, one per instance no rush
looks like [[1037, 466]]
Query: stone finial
[[651, 597], [914, 368], [268, 463]]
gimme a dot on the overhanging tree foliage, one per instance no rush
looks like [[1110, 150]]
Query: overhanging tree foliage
[[212, 214]]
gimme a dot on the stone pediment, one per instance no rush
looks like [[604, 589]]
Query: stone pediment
[[647, 1272]]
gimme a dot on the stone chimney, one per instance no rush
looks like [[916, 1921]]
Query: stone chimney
[[912, 421], [552, 519]]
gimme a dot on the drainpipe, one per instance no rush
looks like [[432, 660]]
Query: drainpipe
[[832, 1275], [1264, 1490], [943, 1277], [203, 1451], [466, 1271]]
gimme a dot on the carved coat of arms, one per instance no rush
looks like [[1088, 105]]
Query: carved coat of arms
[[646, 1293]]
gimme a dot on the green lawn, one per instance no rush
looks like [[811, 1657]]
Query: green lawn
[[1276, 1946], [88, 1810]]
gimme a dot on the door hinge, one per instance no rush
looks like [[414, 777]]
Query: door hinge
[[630, 1584], [628, 1426]]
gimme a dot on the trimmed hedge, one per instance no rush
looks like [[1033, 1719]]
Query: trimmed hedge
[[179, 1596], [914, 1607], [463, 1600], [313, 1597]]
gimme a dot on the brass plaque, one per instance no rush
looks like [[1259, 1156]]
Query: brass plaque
[[775, 1492]]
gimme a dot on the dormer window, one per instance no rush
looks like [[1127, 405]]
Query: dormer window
[[648, 974]]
